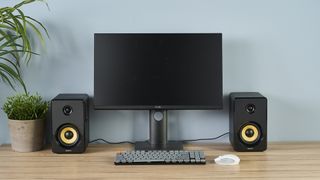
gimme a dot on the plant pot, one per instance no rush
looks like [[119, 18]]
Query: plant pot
[[26, 135]]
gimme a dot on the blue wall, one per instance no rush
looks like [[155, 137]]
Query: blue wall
[[268, 46]]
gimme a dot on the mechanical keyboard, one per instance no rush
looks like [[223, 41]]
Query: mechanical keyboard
[[160, 157]]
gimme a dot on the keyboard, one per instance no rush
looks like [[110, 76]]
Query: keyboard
[[159, 157]]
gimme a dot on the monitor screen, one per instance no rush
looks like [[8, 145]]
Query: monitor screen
[[157, 71]]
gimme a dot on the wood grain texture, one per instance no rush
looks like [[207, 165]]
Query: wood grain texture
[[281, 161]]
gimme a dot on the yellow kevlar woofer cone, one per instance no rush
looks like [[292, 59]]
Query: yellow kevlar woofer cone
[[250, 133], [68, 136]]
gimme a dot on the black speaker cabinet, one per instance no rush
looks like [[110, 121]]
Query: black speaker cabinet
[[70, 123], [248, 121]]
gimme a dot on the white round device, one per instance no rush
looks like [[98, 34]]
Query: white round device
[[228, 159]]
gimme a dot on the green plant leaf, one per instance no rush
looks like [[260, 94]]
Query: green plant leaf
[[21, 31], [15, 75], [4, 52], [8, 37], [6, 79], [39, 23], [23, 20], [11, 63], [10, 42], [23, 3], [6, 27]]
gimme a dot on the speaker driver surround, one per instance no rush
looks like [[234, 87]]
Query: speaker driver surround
[[250, 133], [68, 135]]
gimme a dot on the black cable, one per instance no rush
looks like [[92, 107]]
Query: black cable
[[206, 139], [108, 142], [186, 140]]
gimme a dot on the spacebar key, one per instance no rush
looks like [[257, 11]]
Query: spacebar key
[[148, 161]]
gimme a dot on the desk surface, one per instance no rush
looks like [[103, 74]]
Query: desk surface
[[280, 161]]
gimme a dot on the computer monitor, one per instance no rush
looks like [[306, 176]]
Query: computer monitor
[[158, 72]]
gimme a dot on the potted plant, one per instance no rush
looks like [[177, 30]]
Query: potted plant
[[26, 114]]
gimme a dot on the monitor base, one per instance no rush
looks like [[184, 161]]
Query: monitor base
[[170, 145]]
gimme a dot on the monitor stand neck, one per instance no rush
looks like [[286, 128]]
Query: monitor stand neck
[[158, 133]]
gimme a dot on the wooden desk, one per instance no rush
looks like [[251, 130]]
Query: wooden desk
[[280, 161]]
